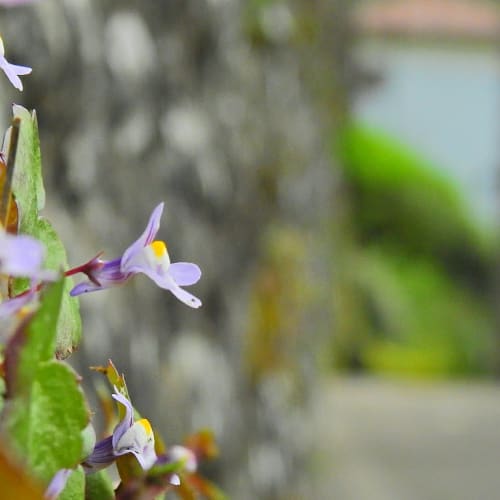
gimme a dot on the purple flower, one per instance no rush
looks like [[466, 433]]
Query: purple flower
[[145, 256], [12, 70], [22, 255], [128, 437]]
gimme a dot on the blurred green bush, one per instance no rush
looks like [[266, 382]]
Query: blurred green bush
[[412, 296]]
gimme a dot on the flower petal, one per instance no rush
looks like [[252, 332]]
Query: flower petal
[[10, 307], [57, 484], [85, 287], [185, 273], [165, 281], [12, 71], [175, 480], [146, 457], [20, 70], [139, 440], [146, 237], [128, 419], [188, 299], [20, 255], [186, 457], [102, 455]]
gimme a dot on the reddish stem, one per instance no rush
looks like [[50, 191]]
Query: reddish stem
[[84, 268]]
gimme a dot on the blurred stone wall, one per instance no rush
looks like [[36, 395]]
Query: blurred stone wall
[[213, 107]]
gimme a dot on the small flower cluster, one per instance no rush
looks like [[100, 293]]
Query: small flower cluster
[[135, 437], [23, 256]]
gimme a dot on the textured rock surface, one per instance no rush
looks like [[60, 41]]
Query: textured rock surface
[[205, 104]]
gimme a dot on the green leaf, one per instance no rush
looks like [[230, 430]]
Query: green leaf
[[46, 411], [75, 487], [89, 441], [98, 486], [69, 326], [34, 341], [27, 186], [57, 417], [27, 183]]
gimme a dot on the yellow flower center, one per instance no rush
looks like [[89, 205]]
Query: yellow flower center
[[145, 423], [159, 248]]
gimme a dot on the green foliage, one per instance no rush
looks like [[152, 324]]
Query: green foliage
[[27, 182], [56, 422], [412, 285], [34, 341], [69, 325], [75, 487], [47, 412], [44, 417], [422, 323], [399, 198], [28, 188], [98, 487]]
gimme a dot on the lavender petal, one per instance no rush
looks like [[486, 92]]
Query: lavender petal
[[57, 484], [146, 237], [126, 422], [20, 255], [184, 273], [10, 307]]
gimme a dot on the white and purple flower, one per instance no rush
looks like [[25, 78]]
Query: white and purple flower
[[135, 437], [12, 71], [148, 256], [129, 436]]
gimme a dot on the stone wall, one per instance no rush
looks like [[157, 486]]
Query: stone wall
[[219, 108]]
